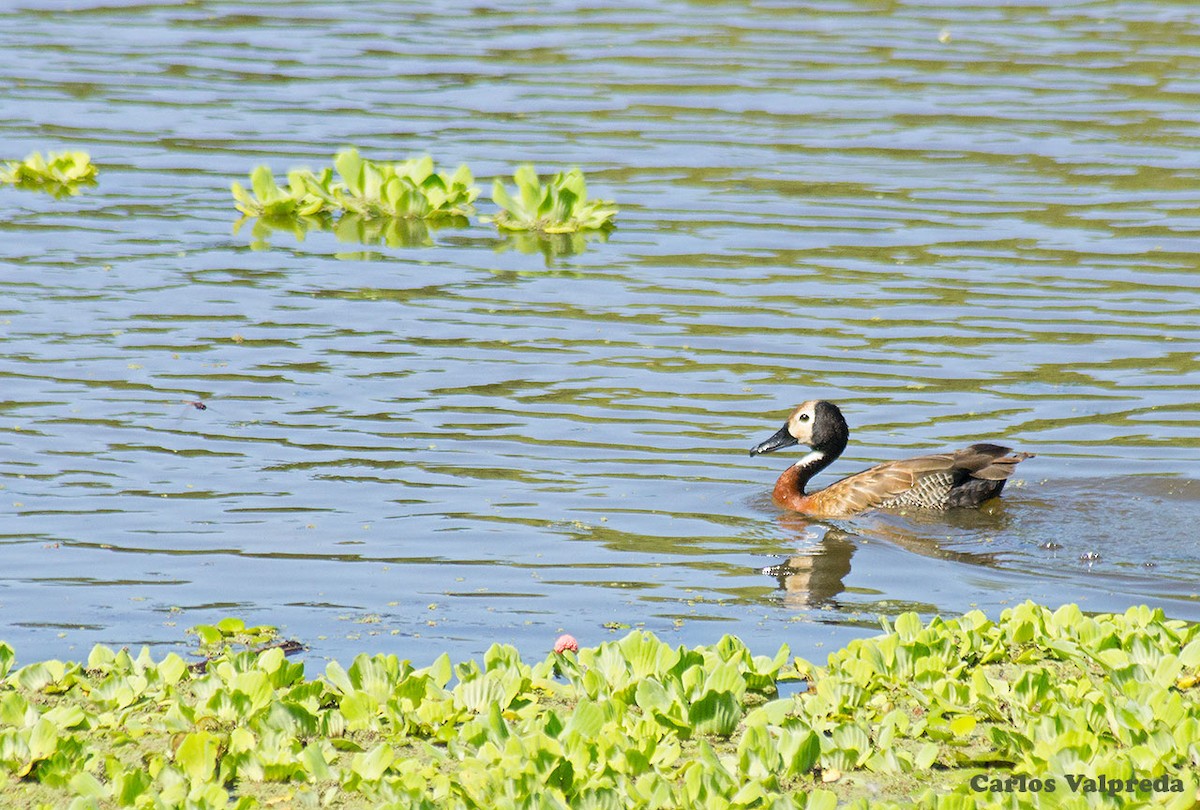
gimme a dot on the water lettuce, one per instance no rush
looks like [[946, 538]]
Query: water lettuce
[[397, 204], [560, 206], [950, 711], [368, 189], [59, 173]]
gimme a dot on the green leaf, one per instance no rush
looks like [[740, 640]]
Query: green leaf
[[172, 668], [315, 763], [208, 634], [349, 168], [462, 177], [411, 203], [750, 794], [65, 716], [86, 786], [15, 710], [821, 799], [1189, 656], [197, 755], [372, 181], [564, 207], [528, 187], [359, 709], [502, 198], [586, 720], [908, 625], [926, 756], [263, 183], [651, 695], [716, 713], [43, 739], [726, 677], [36, 677], [441, 670], [963, 725], [129, 786], [774, 712], [545, 203], [336, 675], [477, 695], [758, 756], [7, 656], [391, 193], [245, 202], [231, 626], [372, 765], [101, 658], [422, 169], [573, 182]]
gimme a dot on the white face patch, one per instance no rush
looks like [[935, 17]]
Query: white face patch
[[812, 458], [800, 423]]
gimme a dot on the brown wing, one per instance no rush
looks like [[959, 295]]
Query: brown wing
[[924, 481]]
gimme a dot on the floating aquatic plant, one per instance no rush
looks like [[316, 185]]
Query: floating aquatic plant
[[410, 189], [560, 206], [59, 173], [270, 200], [353, 194], [944, 714]]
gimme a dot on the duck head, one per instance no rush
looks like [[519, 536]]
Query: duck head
[[817, 424]]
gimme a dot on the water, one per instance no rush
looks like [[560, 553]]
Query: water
[[961, 223]]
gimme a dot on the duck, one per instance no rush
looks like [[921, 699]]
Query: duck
[[959, 478]]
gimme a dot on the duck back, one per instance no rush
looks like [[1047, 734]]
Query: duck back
[[965, 477]]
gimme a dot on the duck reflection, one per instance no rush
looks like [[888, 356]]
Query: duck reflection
[[815, 576]]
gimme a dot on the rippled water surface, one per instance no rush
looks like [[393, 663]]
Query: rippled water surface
[[961, 221]]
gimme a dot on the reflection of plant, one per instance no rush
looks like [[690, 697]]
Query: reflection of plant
[[368, 189], [560, 206], [394, 232], [61, 173], [552, 246], [351, 228]]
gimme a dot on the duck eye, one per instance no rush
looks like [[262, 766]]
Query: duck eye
[[803, 417]]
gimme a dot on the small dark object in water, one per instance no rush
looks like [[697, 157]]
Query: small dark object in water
[[1050, 545], [198, 405], [1090, 556]]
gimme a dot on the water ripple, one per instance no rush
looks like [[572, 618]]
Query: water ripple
[[962, 223]]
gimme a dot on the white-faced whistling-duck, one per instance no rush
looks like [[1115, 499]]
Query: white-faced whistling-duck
[[966, 477]]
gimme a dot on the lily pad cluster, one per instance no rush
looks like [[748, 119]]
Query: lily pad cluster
[[925, 709], [59, 173], [365, 191]]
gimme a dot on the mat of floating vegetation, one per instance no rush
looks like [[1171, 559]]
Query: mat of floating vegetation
[[1053, 708]]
